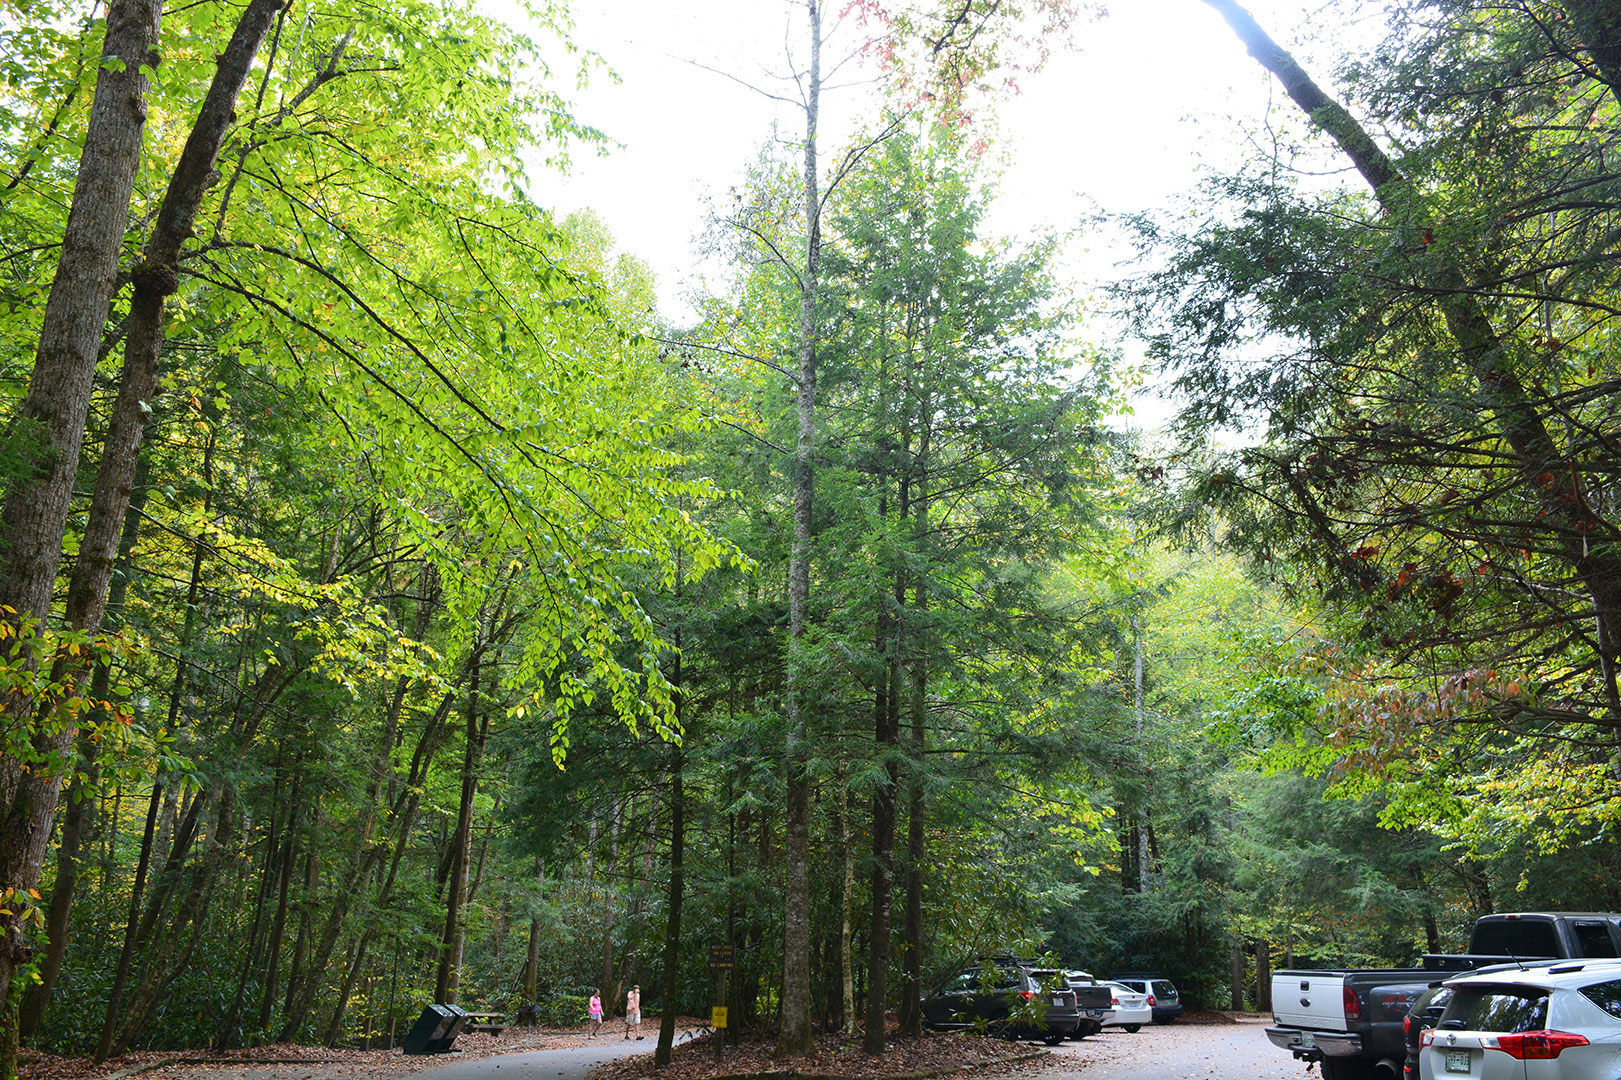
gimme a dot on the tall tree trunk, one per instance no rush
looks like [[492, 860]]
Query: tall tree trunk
[[1139, 702], [918, 710], [278, 924], [49, 427], [795, 1034], [672, 926], [882, 878], [531, 967], [847, 887], [79, 818], [448, 979]]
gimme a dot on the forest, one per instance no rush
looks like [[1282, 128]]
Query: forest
[[396, 607]]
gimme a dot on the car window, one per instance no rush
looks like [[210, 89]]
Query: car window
[[1593, 939], [1166, 988], [962, 983], [1004, 978], [1048, 979], [1432, 1001], [1520, 937], [1496, 1008], [1606, 995], [1132, 984]]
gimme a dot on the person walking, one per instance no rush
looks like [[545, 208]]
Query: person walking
[[633, 1012], [595, 1010]]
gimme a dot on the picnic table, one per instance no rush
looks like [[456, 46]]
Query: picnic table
[[491, 1023]]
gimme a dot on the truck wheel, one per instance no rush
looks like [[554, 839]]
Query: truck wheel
[[1344, 1069], [1133, 1028]]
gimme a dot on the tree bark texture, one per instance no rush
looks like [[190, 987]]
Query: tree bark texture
[[886, 724], [672, 926], [80, 816], [449, 976], [795, 1034], [49, 423]]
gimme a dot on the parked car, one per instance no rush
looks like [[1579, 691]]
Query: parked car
[[1547, 1021], [1131, 1009], [1424, 1013], [1161, 993], [1094, 1000], [1338, 1018], [1005, 998]]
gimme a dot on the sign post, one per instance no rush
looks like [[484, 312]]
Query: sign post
[[722, 958]]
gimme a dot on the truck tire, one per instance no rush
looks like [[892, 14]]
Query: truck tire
[[1344, 1069]]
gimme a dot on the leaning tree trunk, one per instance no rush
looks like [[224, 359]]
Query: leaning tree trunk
[[1551, 479]]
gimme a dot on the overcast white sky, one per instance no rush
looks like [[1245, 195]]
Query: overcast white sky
[[1154, 91]]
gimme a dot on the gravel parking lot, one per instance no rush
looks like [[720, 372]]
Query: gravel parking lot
[[1236, 1051]]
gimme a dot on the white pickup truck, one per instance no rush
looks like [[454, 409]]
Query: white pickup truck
[[1351, 1021]]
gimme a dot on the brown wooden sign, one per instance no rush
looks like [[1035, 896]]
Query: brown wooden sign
[[722, 957]]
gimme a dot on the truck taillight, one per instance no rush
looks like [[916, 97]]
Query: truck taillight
[[1027, 994], [1536, 1045], [1407, 1025], [1353, 1007]]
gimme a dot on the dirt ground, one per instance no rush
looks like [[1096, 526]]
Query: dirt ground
[[1213, 1046], [285, 1061]]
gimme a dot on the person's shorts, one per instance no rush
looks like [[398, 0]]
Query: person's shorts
[[633, 1018]]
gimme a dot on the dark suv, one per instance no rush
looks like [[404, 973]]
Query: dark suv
[[1005, 998], [1162, 995]]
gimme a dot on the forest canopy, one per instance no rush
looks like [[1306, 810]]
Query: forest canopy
[[399, 607]]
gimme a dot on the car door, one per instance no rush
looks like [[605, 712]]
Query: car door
[[951, 1005], [995, 991]]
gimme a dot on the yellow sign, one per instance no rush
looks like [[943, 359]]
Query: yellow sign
[[717, 1016]]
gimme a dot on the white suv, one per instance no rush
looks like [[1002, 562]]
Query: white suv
[[1549, 1021]]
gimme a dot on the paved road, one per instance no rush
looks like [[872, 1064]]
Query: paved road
[[540, 1064], [1237, 1051]]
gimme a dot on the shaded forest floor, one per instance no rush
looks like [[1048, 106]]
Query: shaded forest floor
[[288, 1061], [836, 1056]]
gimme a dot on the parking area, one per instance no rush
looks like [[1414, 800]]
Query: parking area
[[1236, 1051]]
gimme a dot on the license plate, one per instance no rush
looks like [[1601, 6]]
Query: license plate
[[1058, 1001], [1457, 1061], [1307, 1040]]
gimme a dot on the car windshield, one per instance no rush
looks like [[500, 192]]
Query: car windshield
[[1132, 984], [1165, 989], [1048, 978], [1496, 1008]]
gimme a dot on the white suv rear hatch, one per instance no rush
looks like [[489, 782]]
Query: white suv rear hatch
[[1308, 999]]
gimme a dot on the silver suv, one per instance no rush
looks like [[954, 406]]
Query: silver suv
[[1161, 992], [1547, 1021]]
